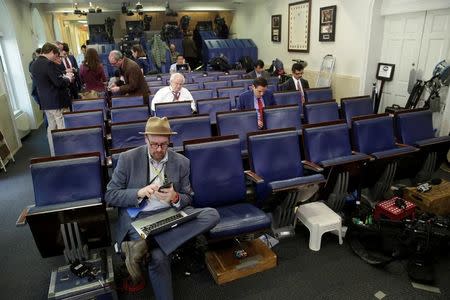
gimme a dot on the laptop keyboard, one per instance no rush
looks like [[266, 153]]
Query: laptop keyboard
[[149, 228]]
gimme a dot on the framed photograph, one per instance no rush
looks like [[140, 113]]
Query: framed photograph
[[276, 28], [385, 71], [327, 26], [299, 26]]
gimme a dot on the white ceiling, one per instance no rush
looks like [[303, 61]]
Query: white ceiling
[[154, 5]]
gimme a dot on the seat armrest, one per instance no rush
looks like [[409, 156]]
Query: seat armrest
[[312, 166], [253, 177], [108, 160], [401, 145], [297, 183], [22, 219]]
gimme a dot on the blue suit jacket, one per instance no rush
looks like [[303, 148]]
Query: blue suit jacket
[[130, 175], [246, 100]]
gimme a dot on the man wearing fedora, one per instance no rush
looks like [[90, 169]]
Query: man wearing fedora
[[134, 189]]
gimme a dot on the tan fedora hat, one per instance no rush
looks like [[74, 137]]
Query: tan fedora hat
[[158, 126]]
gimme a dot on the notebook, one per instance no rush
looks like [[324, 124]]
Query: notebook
[[162, 221]]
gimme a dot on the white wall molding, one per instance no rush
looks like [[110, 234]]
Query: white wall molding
[[394, 7]]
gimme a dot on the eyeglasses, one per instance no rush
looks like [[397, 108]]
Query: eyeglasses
[[156, 145]]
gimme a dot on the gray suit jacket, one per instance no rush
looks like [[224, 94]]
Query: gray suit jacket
[[130, 175], [252, 75]]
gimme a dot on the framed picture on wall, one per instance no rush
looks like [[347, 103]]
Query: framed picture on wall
[[276, 28], [299, 26], [327, 26]]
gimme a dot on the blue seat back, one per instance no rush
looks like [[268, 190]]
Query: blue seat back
[[326, 142], [239, 72], [321, 112], [229, 77], [214, 85], [231, 93], [213, 106], [124, 135], [154, 83], [272, 81], [287, 98], [414, 126], [237, 122], [189, 128], [202, 79], [225, 183], [271, 87], [356, 106], [83, 119], [202, 94], [127, 101], [193, 86], [242, 82], [61, 179], [154, 89], [373, 134], [173, 109], [93, 104], [129, 114], [79, 140], [318, 94], [285, 164], [286, 116]]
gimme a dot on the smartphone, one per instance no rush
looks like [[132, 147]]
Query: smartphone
[[164, 186]]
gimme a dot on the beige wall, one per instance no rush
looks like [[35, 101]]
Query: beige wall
[[6, 123]]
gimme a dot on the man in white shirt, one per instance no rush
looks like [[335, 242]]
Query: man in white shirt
[[180, 62], [174, 92]]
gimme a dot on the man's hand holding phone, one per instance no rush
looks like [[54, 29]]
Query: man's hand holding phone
[[166, 193], [147, 191]]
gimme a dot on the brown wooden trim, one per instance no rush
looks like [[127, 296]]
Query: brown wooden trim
[[320, 102], [210, 139], [82, 112], [253, 176], [129, 123], [400, 112], [355, 97], [75, 129], [63, 157], [312, 166], [186, 117], [328, 123], [371, 116], [22, 219]]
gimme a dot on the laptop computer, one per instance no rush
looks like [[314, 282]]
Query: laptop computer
[[183, 68], [162, 221]]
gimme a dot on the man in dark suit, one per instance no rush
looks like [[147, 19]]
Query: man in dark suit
[[70, 65], [258, 71], [134, 81], [51, 85], [135, 189], [257, 98], [296, 82]]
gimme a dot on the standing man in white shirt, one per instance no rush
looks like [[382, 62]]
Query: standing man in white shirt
[[296, 82], [174, 92]]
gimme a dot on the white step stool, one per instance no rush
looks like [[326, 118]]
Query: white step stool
[[319, 218]]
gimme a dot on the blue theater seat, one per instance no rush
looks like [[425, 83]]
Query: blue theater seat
[[202, 79], [318, 94], [239, 123], [79, 140], [173, 109], [154, 83], [126, 134], [214, 85], [318, 112], [189, 128], [129, 114], [193, 86], [242, 82], [229, 77], [115, 154], [84, 118], [415, 128], [287, 98], [221, 156], [127, 101], [374, 135], [91, 104], [283, 116], [231, 93], [203, 94], [356, 106], [213, 106], [272, 81], [238, 72], [154, 89], [327, 145]]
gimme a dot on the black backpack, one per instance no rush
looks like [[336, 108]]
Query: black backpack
[[247, 63], [220, 63]]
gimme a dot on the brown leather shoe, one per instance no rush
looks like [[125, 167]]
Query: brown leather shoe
[[134, 251]]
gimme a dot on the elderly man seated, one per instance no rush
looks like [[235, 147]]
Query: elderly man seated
[[174, 92]]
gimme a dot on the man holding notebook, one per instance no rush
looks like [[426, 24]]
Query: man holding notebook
[[147, 181]]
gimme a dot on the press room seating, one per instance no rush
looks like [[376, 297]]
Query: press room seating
[[188, 128]]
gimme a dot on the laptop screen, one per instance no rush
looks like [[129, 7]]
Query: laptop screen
[[183, 67]]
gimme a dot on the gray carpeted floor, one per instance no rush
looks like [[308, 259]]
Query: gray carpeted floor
[[332, 273]]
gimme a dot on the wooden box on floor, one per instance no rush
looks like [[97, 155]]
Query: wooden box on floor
[[436, 201], [224, 267]]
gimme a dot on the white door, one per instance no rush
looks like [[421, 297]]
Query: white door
[[401, 46]]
